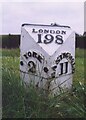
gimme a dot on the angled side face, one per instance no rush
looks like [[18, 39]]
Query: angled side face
[[47, 56]]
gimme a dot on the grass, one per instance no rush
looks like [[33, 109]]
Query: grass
[[0, 85], [31, 103], [11, 52]]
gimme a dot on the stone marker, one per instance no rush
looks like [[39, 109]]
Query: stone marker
[[47, 56]]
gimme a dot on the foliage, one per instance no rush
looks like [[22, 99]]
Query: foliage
[[10, 52]]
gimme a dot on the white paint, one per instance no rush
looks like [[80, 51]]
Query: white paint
[[53, 45], [44, 56]]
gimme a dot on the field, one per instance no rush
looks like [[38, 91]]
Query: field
[[17, 102]]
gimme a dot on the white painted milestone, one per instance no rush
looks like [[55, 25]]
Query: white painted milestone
[[47, 56]]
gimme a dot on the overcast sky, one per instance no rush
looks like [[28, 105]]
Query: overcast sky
[[14, 14]]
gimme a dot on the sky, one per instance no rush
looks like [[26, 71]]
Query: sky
[[13, 14], [85, 16]]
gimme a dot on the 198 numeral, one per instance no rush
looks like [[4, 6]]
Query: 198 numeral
[[50, 38]]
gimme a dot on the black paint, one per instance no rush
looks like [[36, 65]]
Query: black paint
[[21, 63], [46, 69]]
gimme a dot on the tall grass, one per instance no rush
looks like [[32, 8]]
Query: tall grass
[[11, 52], [31, 103], [0, 84]]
